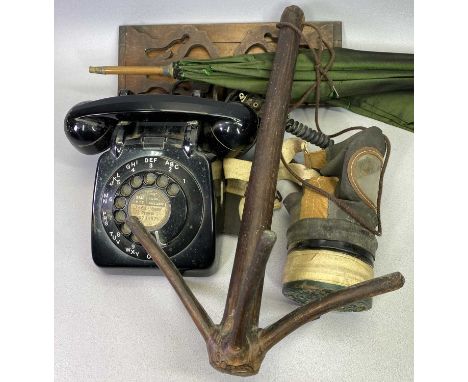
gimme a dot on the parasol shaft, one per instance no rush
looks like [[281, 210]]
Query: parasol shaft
[[133, 70]]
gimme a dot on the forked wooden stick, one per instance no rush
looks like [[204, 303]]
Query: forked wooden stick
[[223, 340], [237, 345]]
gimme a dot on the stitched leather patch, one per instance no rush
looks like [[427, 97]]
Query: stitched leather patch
[[364, 168]]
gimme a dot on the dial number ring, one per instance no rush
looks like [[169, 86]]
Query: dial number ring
[[171, 209]]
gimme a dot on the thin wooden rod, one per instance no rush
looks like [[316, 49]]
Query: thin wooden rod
[[313, 310], [197, 312]]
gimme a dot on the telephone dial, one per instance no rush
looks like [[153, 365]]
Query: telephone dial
[[159, 151]]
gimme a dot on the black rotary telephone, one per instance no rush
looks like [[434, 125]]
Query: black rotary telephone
[[159, 169]]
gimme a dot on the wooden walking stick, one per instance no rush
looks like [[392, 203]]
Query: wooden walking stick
[[237, 345]]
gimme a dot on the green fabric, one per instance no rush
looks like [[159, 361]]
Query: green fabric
[[394, 108], [378, 85]]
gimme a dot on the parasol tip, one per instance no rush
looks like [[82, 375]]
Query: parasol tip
[[96, 69]]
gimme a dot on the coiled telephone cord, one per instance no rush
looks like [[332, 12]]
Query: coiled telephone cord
[[306, 133]]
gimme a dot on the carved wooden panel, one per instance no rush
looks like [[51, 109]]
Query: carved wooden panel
[[163, 44]]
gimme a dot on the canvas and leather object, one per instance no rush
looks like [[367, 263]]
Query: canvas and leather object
[[328, 249]]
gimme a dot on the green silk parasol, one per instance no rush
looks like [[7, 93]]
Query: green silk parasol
[[378, 85]]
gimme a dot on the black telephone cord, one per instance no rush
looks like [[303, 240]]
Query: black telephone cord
[[306, 133]]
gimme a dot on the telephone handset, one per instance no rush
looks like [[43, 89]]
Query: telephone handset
[[158, 168]]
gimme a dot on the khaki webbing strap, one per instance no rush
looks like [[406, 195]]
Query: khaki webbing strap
[[240, 169], [314, 205], [299, 169], [315, 159], [276, 206], [237, 171], [291, 147], [236, 187], [216, 169]]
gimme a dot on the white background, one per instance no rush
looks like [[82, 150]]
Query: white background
[[121, 326]]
